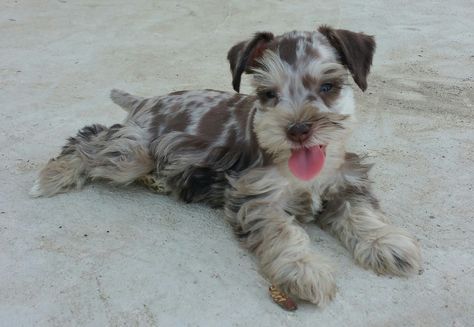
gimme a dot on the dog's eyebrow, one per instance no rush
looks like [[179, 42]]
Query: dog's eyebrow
[[272, 70], [326, 71]]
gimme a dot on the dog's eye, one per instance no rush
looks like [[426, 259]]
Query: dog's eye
[[270, 94], [325, 88], [267, 95]]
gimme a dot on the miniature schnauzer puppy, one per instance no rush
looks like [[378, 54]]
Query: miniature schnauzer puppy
[[273, 160]]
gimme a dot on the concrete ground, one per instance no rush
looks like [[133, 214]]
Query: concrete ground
[[126, 257]]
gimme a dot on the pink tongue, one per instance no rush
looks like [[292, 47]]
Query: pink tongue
[[306, 163]]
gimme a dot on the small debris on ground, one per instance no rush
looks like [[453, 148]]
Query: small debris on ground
[[283, 300]]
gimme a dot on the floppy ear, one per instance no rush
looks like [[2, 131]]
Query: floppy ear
[[242, 56], [355, 49]]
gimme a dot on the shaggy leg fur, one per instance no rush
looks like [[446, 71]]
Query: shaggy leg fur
[[194, 168], [118, 154], [281, 245], [352, 214], [365, 231]]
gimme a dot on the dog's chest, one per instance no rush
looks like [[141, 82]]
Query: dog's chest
[[305, 199]]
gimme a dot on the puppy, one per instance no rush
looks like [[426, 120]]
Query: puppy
[[273, 160]]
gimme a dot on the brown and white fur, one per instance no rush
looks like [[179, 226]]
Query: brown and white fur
[[232, 150]]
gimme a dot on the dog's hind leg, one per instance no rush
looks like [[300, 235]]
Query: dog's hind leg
[[118, 154], [154, 183]]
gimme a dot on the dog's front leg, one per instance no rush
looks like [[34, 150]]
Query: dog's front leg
[[281, 245], [354, 217]]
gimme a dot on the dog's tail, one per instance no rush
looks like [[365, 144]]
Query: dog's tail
[[124, 99]]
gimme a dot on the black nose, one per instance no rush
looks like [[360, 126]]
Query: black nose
[[299, 132]]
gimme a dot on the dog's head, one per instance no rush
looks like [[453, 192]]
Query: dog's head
[[302, 83]]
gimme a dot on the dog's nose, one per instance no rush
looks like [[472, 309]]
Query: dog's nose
[[299, 132]]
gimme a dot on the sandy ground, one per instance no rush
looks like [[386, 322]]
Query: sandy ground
[[126, 257]]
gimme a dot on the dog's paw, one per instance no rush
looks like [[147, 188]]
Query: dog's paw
[[154, 183], [309, 279], [36, 190], [393, 252]]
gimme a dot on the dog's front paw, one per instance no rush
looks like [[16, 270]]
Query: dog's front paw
[[392, 251], [308, 278]]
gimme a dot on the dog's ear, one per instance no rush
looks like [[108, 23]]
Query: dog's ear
[[355, 49], [242, 56]]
